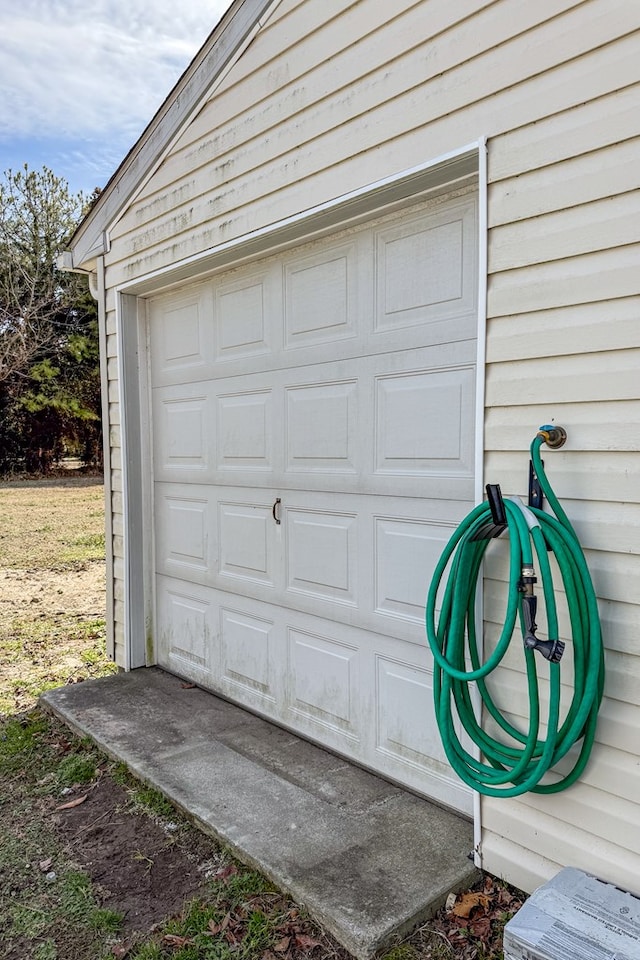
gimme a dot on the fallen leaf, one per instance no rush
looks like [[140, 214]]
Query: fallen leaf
[[481, 927], [282, 945], [468, 902], [120, 950], [72, 803], [45, 865], [188, 686], [173, 940], [224, 872], [303, 942]]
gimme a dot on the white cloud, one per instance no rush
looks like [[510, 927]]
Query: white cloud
[[84, 68]]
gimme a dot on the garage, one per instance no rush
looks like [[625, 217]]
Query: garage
[[313, 446]]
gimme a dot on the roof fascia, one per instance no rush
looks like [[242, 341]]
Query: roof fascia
[[223, 46]]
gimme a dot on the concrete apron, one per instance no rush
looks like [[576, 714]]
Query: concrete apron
[[368, 860]]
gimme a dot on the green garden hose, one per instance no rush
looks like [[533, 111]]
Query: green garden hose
[[517, 762]]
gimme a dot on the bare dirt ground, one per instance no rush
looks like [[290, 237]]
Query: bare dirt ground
[[55, 593]]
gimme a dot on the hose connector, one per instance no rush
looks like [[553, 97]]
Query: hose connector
[[552, 435]]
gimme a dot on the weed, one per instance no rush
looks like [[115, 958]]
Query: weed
[[20, 741], [153, 801], [76, 897], [403, 952], [148, 951], [120, 774], [106, 921], [45, 951], [243, 885], [76, 768]]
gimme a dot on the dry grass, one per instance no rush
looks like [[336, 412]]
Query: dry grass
[[51, 524]]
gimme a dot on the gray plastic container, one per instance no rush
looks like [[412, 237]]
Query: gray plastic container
[[575, 917]]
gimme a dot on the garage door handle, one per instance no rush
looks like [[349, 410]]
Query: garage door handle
[[276, 510]]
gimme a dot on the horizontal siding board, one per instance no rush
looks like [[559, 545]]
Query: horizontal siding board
[[114, 435], [612, 772], [612, 818], [525, 868], [560, 842], [596, 327], [587, 377], [577, 476], [599, 225], [605, 426], [583, 127], [570, 183], [120, 656]]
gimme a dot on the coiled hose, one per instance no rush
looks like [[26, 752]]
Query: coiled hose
[[518, 761]]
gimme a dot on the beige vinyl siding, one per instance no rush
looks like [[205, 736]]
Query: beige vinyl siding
[[254, 164], [330, 97], [562, 344]]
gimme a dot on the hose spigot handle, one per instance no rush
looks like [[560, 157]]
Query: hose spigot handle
[[553, 435], [551, 650]]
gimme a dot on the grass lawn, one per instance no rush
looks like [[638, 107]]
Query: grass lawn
[[93, 864]]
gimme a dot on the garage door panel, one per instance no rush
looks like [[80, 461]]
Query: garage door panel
[[246, 542], [182, 437], [245, 431], [248, 654], [324, 680], [321, 555], [321, 295], [187, 635], [425, 268], [407, 741], [244, 306], [185, 531], [422, 423], [406, 553], [181, 336], [322, 427]]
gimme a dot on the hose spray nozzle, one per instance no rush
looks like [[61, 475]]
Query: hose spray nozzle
[[551, 650]]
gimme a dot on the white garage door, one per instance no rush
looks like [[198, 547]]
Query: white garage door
[[313, 433]]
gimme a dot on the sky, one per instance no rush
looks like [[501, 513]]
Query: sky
[[80, 79]]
